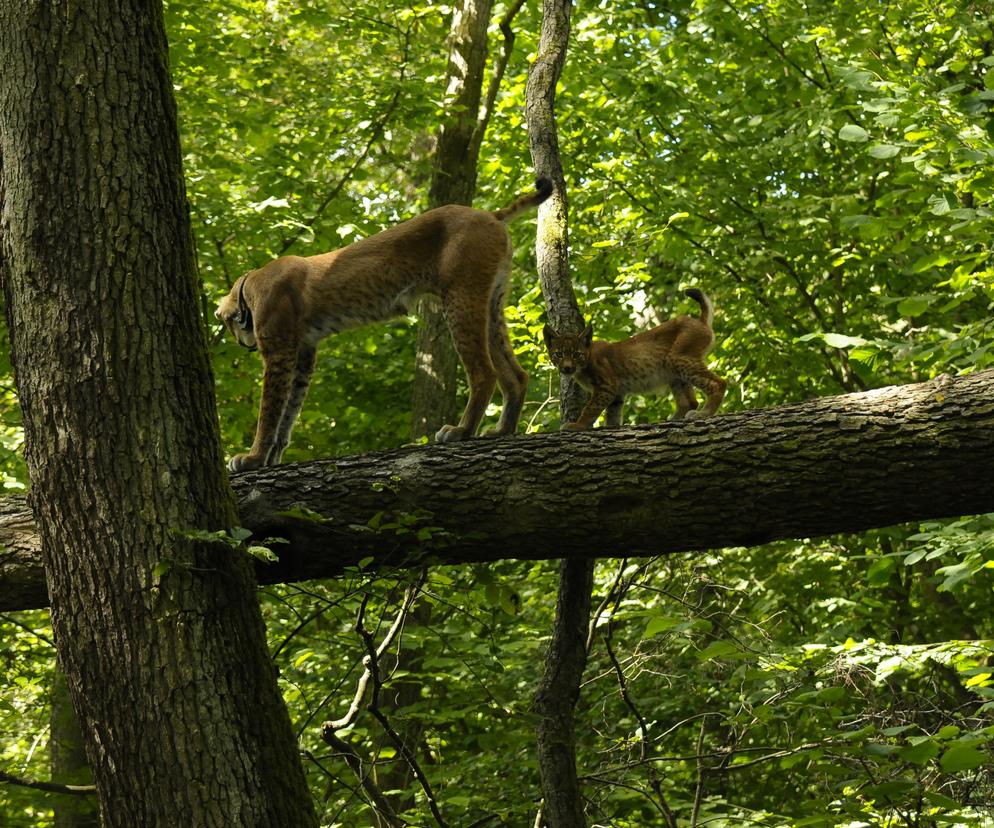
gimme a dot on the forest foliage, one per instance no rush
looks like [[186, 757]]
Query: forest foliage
[[825, 171]]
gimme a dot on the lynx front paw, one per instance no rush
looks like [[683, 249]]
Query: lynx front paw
[[697, 414], [245, 462], [572, 427], [450, 434]]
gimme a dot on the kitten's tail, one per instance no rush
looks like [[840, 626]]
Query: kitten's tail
[[707, 306], [543, 189]]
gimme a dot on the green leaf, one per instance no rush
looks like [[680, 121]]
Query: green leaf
[[955, 574], [884, 150], [941, 801], [940, 204], [880, 571], [961, 757], [856, 220], [719, 649], [240, 533], [852, 132], [879, 749], [914, 305], [921, 753], [161, 568], [660, 623], [303, 513], [264, 554], [842, 341], [978, 679]]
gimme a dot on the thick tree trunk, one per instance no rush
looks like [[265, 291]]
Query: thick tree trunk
[[159, 634], [827, 466]]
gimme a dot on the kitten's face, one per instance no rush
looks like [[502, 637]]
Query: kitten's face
[[568, 352]]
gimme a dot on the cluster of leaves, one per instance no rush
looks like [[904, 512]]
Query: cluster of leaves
[[823, 171]]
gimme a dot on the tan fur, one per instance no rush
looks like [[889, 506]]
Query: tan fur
[[671, 354], [457, 253]]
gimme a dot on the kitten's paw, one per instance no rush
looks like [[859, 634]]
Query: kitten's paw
[[245, 462], [697, 414], [450, 434], [572, 427]]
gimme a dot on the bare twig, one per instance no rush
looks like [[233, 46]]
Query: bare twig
[[660, 800], [354, 761], [699, 787], [373, 654], [370, 663], [51, 787], [10, 619]]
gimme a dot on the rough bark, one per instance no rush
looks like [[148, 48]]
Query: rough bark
[[159, 633], [557, 694], [22, 573], [826, 466]]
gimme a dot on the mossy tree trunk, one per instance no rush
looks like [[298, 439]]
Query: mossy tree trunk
[[559, 687], [159, 634]]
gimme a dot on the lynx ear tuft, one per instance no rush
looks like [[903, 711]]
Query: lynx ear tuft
[[549, 333], [588, 334]]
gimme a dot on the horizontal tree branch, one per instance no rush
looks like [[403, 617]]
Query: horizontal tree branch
[[825, 466]]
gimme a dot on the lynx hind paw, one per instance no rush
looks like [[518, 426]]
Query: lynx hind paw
[[697, 414], [245, 462], [450, 434], [572, 427]]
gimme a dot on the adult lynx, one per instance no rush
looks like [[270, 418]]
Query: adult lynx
[[458, 253]]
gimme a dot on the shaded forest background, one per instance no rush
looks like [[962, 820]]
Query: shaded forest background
[[824, 172]]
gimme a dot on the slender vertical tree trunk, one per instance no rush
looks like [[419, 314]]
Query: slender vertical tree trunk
[[158, 631], [559, 687], [453, 182], [68, 759]]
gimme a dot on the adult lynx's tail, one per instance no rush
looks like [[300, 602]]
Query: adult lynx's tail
[[707, 306], [543, 189]]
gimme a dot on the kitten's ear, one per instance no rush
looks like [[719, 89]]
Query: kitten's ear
[[549, 333], [588, 334]]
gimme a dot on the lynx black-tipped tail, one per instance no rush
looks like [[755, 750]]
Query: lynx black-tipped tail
[[707, 306], [543, 189]]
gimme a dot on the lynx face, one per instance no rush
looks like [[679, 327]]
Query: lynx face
[[569, 352], [233, 312]]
